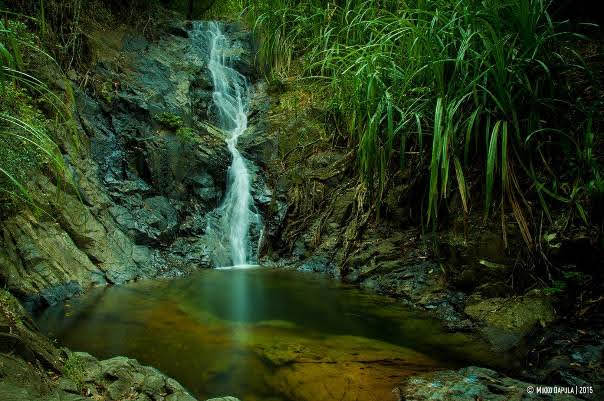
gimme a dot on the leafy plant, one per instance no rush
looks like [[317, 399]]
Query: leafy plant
[[26, 142], [557, 288], [223, 9], [459, 83]]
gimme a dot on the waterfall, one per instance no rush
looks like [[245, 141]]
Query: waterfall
[[236, 212]]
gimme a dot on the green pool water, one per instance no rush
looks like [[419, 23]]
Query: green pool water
[[264, 334]]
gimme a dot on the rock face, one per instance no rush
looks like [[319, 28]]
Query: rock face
[[146, 164]]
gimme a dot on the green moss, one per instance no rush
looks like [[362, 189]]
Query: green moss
[[174, 122], [186, 134], [74, 370], [26, 37], [107, 92], [515, 314], [169, 120]]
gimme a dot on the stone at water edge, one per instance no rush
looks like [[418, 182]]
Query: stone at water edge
[[471, 383], [505, 322]]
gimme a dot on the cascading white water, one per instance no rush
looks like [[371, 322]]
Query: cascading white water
[[231, 99]]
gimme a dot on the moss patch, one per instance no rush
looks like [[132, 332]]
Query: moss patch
[[518, 313], [169, 120], [74, 369]]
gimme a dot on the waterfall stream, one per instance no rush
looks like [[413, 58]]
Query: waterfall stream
[[236, 212]]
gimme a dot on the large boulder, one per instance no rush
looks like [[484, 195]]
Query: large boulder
[[505, 322]]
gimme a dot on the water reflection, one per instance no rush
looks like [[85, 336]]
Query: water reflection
[[260, 333]]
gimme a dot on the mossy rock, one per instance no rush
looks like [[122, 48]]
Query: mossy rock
[[170, 121], [507, 321]]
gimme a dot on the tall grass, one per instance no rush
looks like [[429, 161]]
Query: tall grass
[[26, 142], [464, 83]]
